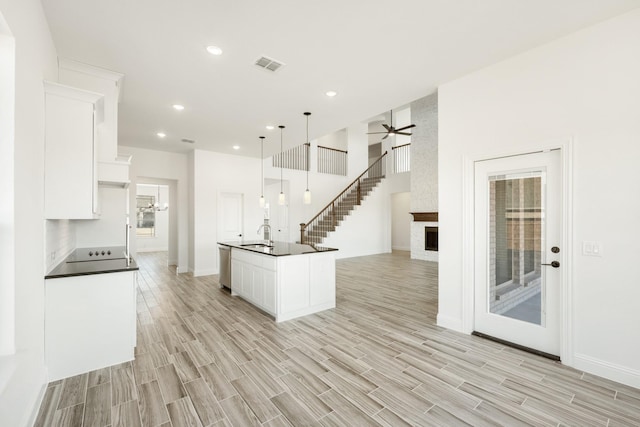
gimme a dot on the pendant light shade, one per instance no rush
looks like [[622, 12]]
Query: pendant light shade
[[281, 198], [306, 198], [262, 172]]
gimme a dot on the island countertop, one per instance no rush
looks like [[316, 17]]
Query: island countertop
[[276, 248]]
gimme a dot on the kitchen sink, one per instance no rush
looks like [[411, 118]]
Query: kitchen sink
[[256, 245]]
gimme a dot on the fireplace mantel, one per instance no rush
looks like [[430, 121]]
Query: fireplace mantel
[[425, 216]]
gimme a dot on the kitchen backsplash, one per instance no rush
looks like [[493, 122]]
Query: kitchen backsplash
[[60, 241]]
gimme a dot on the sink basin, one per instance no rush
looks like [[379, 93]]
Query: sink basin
[[256, 245]]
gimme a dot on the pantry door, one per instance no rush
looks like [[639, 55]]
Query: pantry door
[[231, 217]]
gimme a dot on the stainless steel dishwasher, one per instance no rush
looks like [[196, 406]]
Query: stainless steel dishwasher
[[225, 266]]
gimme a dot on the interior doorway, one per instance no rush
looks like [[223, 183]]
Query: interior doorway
[[400, 221], [152, 218], [168, 198]]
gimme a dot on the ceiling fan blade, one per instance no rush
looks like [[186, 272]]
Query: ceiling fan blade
[[387, 127], [386, 136], [403, 133], [406, 127]]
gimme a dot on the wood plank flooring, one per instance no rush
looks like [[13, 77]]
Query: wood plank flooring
[[205, 358]]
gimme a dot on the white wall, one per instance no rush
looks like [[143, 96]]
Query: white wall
[[160, 240], [7, 232], [367, 230], [337, 140], [215, 173], [401, 221], [35, 61], [160, 167], [584, 87], [109, 229]]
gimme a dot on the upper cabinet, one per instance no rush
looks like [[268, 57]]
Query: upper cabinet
[[71, 177], [112, 168]]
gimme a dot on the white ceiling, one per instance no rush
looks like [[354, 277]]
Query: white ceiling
[[377, 54]]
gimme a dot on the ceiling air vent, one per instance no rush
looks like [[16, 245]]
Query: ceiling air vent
[[187, 140], [269, 63]]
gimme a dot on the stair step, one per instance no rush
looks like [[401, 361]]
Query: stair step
[[328, 223]]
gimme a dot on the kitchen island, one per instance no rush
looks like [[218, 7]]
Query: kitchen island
[[286, 280]]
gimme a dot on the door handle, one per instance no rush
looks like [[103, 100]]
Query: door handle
[[554, 264]]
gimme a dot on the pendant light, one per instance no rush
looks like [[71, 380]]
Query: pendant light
[[281, 198], [306, 198], [157, 206], [262, 171]]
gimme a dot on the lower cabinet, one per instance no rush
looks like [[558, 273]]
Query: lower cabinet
[[253, 277], [284, 286], [90, 322]]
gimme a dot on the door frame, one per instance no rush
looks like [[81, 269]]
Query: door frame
[[565, 145]]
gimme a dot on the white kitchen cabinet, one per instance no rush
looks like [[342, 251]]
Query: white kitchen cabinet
[[71, 179], [113, 169], [106, 82], [253, 278], [284, 286], [90, 322]]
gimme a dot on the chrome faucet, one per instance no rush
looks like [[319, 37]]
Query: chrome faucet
[[267, 232]]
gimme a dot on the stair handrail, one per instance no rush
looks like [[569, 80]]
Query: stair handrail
[[331, 204]]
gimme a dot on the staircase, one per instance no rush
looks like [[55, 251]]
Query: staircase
[[328, 219]]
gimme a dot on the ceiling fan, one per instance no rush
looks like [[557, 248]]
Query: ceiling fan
[[390, 130]]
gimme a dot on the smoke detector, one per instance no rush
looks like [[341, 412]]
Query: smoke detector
[[269, 63]]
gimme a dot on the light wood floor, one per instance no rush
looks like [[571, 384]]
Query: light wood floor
[[206, 358]]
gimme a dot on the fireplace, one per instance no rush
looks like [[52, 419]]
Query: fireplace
[[431, 239]]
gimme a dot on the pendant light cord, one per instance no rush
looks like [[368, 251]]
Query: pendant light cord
[[281, 158], [308, 149], [262, 165]]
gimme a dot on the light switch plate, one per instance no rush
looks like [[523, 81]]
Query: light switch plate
[[591, 248]]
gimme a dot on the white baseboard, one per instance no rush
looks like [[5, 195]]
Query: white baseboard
[[608, 370], [182, 270], [205, 272], [152, 249], [452, 323]]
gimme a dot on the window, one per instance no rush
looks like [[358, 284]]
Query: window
[[146, 216]]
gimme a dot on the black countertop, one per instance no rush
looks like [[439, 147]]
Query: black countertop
[[278, 248], [84, 268]]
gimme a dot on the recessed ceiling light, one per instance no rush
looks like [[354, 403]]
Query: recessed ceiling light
[[236, 147], [214, 50], [161, 134], [270, 127], [331, 93], [178, 107]]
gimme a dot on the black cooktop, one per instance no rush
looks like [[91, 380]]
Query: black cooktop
[[97, 253], [86, 261]]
